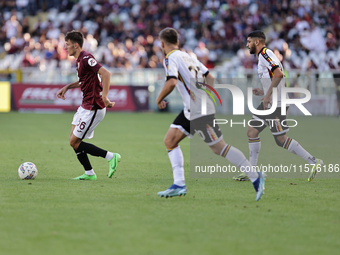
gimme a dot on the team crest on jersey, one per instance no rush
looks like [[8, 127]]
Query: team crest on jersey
[[92, 62], [211, 132]]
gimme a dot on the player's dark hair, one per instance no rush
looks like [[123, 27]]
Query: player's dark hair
[[75, 37], [169, 35], [257, 34]]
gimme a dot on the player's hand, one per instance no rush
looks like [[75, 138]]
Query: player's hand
[[258, 92], [108, 103], [266, 102], [61, 93], [162, 104]]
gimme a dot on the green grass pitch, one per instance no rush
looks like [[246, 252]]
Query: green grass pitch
[[123, 215]]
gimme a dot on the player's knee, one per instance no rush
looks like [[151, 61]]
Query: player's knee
[[74, 144], [279, 141], [252, 133], [217, 151], [170, 143]]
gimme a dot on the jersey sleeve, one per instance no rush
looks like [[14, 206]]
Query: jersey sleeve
[[171, 68], [268, 59], [92, 64], [203, 69]]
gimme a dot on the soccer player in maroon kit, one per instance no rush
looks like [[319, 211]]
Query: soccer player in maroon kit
[[94, 82]]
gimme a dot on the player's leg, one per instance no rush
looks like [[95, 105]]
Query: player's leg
[[83, 159], [236, 157], [256, 125], [85, 122], [212, 136], [279, 130], [171, 142], [176, 133], [254, 144]]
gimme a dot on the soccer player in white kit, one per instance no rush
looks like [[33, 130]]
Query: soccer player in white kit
[[184, 72], [270, 72]]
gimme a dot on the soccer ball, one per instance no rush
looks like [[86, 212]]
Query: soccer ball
[[27, 171]]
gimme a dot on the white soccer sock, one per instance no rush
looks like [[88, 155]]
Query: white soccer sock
[[177, 163], [254, 150], [109, 155], [89, 172], [294, 147], [236, 157]]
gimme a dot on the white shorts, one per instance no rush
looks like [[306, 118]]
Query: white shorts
[[86, 121]]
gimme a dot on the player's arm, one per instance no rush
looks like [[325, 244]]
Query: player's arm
[[167, 89], [105, 76], [207, 76], [63, 90], [209, 79], [258, 92], [277, 76]]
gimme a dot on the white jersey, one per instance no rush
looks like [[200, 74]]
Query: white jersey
[[268, 62], [188, 71]]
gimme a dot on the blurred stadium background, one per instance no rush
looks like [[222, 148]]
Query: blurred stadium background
[[123, 215], [122, 35]]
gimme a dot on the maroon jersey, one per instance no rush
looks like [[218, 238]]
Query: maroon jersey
[[89, 81]]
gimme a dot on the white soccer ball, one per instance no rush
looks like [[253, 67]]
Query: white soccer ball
[[27, 171]]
